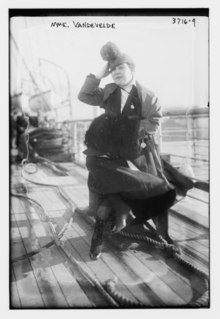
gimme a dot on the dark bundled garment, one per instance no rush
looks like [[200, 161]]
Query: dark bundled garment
[[115, 136], [147, 195]]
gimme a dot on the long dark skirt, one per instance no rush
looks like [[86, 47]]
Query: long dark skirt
[[146, 194]]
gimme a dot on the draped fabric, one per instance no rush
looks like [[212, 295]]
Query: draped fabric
[[146, 194]]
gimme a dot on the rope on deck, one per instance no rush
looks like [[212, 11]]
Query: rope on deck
[[91, 279], [32, 168], [175, 253], [162, 244], [57, 241], [122, 300], [108, 290]]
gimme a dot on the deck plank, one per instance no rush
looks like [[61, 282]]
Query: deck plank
[[196, 211], [104, 272], [164, 293], [188, 236], [27, 286], [17, 248], [78, 195], [145, 275], [50, 280], [107, 271], [171, 277], [48, 199], [74, 294], [26, 234], [195, 205], [185, 238], [17, 206], [80, 249], [186, 294], [44, 264], [161, 285], [14, 296], [130, 262], [199, 195], [49, 289], [79, 265], [195, 246], [190, 255], [200, 234], [109, 259]]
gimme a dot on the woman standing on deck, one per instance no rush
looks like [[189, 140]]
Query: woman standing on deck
[[122, 158]]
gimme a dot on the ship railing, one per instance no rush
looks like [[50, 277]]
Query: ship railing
[[184, 140]]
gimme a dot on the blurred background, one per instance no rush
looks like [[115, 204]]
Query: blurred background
[[48, 65]]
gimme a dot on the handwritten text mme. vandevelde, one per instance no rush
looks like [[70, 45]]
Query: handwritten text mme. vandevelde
[[86, 25]]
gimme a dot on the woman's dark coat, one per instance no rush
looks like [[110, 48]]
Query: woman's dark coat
[[127, 135]]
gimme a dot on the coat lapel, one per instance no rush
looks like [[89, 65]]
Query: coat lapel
[[109, 89], [141, 92]]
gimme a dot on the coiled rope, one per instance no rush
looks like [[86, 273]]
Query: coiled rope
[[122, 300]]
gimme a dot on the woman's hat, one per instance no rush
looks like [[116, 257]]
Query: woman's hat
[[111, 53]]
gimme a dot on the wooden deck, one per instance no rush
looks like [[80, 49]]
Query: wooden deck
[[46, 275]]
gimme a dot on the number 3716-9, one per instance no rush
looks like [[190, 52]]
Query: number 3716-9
[[184, 21]]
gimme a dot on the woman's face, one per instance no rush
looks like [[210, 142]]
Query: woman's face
[[122, 74]]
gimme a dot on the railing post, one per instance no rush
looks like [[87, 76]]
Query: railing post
[[194, 130], [75, 137], [188, 161]]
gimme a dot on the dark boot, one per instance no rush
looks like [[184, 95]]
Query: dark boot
[[103, 213], [97, 239]]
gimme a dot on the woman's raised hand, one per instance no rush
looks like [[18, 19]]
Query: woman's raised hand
[[103, 73]]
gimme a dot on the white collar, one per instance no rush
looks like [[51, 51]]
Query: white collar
[[128, 87]]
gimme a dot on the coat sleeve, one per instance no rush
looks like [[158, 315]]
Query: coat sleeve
[[151, 114], [90, 92]]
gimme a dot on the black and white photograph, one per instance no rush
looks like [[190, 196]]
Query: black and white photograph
[[109, 155]]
